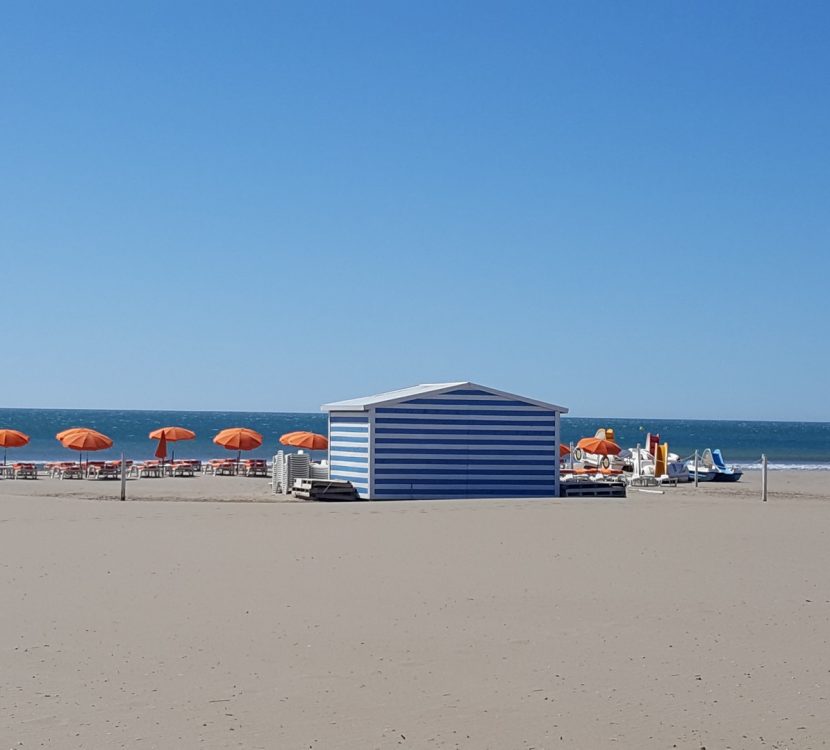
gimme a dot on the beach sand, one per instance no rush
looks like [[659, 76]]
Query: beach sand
[[690, 619]]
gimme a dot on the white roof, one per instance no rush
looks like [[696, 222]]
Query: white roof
[[403, 394]]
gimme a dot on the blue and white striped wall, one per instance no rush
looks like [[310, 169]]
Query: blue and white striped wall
[[349, 435], [461, 443]]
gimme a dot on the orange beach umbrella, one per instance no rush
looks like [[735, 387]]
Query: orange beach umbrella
[[84, 439], [308, 440], [61, 435], [170, 434], [161, 449], [238, 439], [599, 447], [563, 450], [12, 439]]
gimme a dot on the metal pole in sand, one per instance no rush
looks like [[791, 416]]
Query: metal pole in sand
[[695, 467], [123, 477], [764, 477]]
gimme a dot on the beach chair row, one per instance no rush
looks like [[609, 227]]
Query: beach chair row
[[251, 467], [90, 470], [18, 471], [112, 469], [248, 467]]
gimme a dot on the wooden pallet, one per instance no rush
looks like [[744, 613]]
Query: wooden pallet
[[324, 490], [584, 488]]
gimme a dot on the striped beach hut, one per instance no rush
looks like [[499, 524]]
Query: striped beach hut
[[445, 440]]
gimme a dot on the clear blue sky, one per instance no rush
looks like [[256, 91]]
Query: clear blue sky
[[619, 207]]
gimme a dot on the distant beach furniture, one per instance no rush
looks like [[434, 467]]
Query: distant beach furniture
[[445, 440], [169, 435], [235, 439], [83, 439]]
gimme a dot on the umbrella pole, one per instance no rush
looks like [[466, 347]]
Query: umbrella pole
[[238, 459]]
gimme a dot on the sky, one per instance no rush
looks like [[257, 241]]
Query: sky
[[617, 207]]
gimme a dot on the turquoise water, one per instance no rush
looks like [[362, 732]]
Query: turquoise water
[[787, 444]]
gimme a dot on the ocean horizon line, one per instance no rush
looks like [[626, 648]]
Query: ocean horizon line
[[598, 419]]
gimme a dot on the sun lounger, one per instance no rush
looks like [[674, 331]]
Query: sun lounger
[[54, 468], [181, 469], [220, 467], [70, 471], [214, 463], [254, 467], [94, 466], [25, 471], [224, 468], [147, 469], [109, 470]]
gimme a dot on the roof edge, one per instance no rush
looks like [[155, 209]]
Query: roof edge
[[346, 406], [442, 388]]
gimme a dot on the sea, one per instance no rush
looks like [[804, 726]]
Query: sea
[[787, 445]]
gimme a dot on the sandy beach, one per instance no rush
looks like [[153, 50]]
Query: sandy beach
[[690, 619]]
